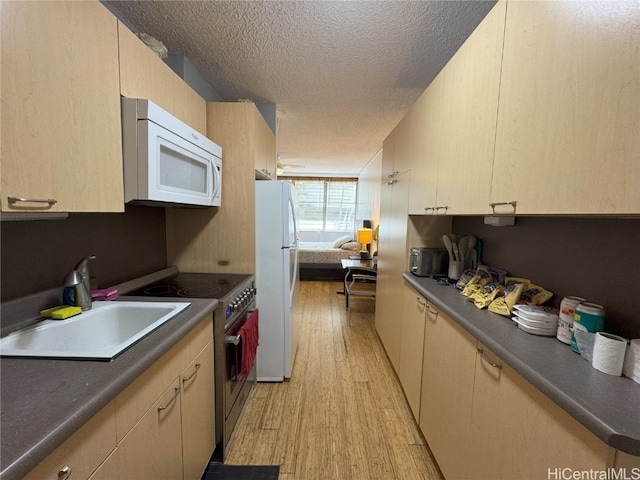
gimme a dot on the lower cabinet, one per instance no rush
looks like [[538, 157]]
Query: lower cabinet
[[411, 347], [162, 426], [517, 432], [153, 448], [198, 416], [447, 391], [483, 420]]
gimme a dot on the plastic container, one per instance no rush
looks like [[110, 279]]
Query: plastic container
[[588, 317], [565, 324]]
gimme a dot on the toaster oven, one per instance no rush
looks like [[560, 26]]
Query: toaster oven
[[428, 262]]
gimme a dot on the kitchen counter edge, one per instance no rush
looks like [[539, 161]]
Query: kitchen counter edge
[[549, 365], [41, 416]]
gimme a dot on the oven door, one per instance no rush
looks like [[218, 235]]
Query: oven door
[[234, 382]]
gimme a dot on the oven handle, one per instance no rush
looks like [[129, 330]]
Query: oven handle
[[232, 339]]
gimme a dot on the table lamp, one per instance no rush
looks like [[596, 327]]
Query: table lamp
[[365, 237]]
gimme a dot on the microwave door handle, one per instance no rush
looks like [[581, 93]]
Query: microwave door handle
[[215, 178]]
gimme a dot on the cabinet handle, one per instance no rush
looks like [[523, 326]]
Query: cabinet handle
[[493, 205], [436, 209], [421, 302], [432, 312], [483, 357], [64, 472], [391, 182], [173, 399], [393, 174], [186, 379], [50, 201]]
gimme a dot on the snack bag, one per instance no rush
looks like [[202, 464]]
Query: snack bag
[[464, 279], [479, 280], [503, 304], [535, 295], [485, 295]]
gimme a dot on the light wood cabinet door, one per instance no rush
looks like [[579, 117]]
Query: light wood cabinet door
[[392, 263], [412, 347], [404, 153], [447, 391], [517, 432], [144, 75], [83, 452], [198, 419], [108, 470], [222, 240], [426, 138], [567, 139], [384, 281], [153, 448], [471, 87], [265, 152], [60, 107]]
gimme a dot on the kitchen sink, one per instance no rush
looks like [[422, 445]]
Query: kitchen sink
[[100, 333]]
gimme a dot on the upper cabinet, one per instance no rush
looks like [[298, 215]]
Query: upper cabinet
[[60, 110], [144, 75], [452, 133], [537, 113], [265, 157], [427, 112], [200, 240], [567, 137], [468, 120]]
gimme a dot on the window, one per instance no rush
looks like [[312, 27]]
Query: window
[[326, 204]]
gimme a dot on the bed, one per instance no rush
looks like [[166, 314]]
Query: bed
[[321, 260]]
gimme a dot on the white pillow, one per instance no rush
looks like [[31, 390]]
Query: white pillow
[[338, 242], [355, 246]]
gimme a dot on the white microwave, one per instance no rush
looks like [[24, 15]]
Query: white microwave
[[166, 162]]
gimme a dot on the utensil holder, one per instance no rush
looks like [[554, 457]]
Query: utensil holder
[[455, 269]]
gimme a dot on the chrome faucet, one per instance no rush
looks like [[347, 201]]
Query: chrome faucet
[[80, 281]]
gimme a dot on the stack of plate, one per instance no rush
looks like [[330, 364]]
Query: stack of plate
[[536, 320]]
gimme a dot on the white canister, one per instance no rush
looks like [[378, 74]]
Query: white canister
[[565, 322], [608, 353]]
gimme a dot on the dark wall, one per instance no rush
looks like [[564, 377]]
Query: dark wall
[[36, 255], [594, 258]]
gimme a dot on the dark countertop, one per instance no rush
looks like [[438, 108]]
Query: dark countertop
[[45, 401], [608, 406]]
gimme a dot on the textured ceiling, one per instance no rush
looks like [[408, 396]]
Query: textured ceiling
[[341, 73]]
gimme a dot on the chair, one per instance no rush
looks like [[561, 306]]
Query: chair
[[359, 282]]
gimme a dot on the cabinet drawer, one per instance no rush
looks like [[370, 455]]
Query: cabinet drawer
[[83, 452]]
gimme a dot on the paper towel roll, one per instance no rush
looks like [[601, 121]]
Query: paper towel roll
[[608, 353], [631, 367]]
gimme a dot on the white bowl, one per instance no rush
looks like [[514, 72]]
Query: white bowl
[[551, 323], [536, 312], [545, 332]]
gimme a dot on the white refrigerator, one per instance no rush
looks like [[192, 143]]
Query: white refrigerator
[[276, 279]]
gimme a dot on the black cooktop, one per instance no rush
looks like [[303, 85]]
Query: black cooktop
[[193, 285]]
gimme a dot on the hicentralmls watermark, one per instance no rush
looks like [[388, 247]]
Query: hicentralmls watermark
[[606, 474]]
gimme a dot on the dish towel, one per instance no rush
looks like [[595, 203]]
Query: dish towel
[[248, 333]]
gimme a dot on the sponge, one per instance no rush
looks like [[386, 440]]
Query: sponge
[[61, 312]]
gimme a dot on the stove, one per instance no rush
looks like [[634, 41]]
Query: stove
[[236, 300], [194, 285]]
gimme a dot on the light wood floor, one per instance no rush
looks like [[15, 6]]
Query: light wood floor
[[343, 414]]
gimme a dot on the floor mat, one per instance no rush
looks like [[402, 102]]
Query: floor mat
[[219, 471]]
